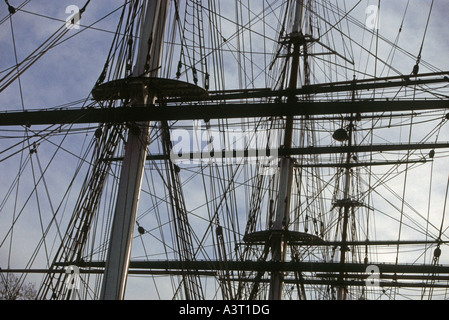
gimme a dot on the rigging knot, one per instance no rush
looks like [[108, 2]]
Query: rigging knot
[[415, 69], [141, 230], [437, 252], [33, 149], [11, 9]]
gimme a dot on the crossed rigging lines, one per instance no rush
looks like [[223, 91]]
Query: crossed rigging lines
[[231, 178], [56, 39]]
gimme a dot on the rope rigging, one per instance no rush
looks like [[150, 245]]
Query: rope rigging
[[11, 9], [51, 42], [418, 61], [219, 212]]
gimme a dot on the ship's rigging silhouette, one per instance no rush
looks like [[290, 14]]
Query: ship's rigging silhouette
[[236, 150]]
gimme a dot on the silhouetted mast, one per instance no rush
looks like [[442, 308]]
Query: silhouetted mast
[[148, 62]]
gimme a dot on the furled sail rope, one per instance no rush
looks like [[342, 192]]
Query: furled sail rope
[[51, 42]]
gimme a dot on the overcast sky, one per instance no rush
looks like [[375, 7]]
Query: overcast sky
[[69, 71]]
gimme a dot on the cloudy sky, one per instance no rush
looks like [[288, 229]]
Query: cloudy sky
[[75, 63], [68, 71]]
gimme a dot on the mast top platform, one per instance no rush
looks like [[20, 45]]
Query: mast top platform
[[136, 86], [288, 235]]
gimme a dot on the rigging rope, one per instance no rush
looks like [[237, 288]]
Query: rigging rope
[[418, 61], [11, 9], [223, 184], [50, 43]]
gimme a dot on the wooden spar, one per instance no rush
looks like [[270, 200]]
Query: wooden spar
[[278, 245], [119, 252], [212, 111]]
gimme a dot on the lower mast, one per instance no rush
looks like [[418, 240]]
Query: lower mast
[[282, 219], [119, 252]]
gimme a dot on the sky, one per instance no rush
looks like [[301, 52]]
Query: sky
[[68, 71], [78, 62]]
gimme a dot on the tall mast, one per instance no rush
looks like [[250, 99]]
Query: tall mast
[[347, 205], [148, 62], [278, 245]]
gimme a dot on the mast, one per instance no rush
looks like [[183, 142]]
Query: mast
[[278, 245], [342, 291], [148, 62]]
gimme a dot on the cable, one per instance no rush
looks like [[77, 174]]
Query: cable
[[16, 9], [48, 44], [61, 20]]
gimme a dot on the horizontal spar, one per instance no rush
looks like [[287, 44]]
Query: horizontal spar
[[352, 85], [323, 279], [300, 151], [353, 283], [270, 266], [210, 111], [101, 271]]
